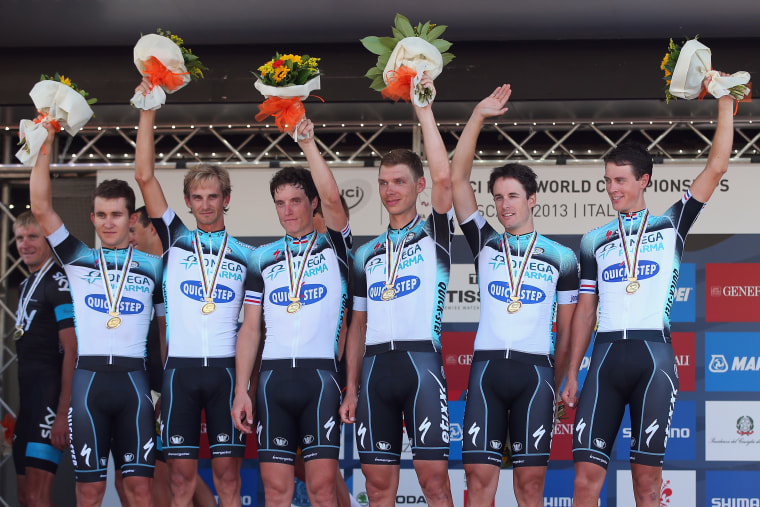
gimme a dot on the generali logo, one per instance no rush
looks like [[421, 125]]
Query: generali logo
[[732, 292]]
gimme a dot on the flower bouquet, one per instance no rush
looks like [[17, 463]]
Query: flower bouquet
[[686, 67], [403, 58], [169, 65], [285, 81], [59, 102]]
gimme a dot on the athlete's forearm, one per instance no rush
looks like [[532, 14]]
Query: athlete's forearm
[[41, 190], [437, 158], [67, 338], [581, 330], [145, 156], [355, 351]]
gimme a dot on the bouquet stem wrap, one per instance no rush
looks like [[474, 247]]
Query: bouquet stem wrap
[[693, 66], [287, 112], [399, 84]]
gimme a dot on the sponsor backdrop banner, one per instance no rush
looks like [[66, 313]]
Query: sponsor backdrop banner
[[713, 449]]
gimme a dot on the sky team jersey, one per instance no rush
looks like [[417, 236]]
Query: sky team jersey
[[190, 332], [550, 278], [422, 276], [603, 268], [49, 310], [82, 266], [312, 331]]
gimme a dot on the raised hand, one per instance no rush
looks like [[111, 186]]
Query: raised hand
[[493, 105]]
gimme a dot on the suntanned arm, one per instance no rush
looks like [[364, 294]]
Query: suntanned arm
[[329, 194], [354, 355], [145, 159], [59, 434], [246, 350], [717, 161], [562, 345], [461, 163], [581, 330], [435, 152], [40, 188]]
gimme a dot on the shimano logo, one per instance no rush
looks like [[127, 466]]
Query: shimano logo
[[528, 293], [403, 286], [617, 272], [310, 294], [735, 502], [127, 306], [193, 290]]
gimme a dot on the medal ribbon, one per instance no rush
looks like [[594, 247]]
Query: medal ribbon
[[113, 301], [514, 285], [392, 266], [295, 283], [27, 296], [632, 266], [209, 285]]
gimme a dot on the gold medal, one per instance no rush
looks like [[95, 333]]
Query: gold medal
[[388, 294], [18, 333], [294, 307], [113, 322], [514, 306], [208, 308], [632, 287]]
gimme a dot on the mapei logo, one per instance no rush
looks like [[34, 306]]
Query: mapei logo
[[456, 432], [310, 294], [403, 286], [193, 290], [718, 363], [528, 293], [127, 306], [617, 272]]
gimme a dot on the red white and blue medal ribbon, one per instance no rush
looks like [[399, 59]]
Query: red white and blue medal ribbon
[[296, 274]]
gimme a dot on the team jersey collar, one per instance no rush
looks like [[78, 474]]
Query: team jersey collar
[[212, 235], [402, 232], [290, 241], [633, 215]]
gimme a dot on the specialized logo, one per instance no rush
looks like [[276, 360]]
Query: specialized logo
[[129, 457], [617, 272], [718, 363], [651, 430], [193, 290], [361, 433], [745, 425], [579, 429], [259, 429], [528, 294], [404, 285], [538, 435], [85, 453], [222, 438], [127, 306], [473, 432], [329, 425], [177, 439], [383, 446], [148, 447], [280, 441], [423, 429], [310, 293]]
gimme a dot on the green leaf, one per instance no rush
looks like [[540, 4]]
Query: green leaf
[[91, 101], [404, 26], [447, 57], [388, 42], [190, 57], [397, 34], [382, 60], [373, 44], [373, 73], [378, 84], [423, 30], [441, 45], [435, 32]]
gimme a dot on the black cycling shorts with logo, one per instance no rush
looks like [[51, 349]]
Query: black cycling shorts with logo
[[508, 397], [402, 388], [111, 411], [38, 393], [186, 392], [297, 407], [641, 374]]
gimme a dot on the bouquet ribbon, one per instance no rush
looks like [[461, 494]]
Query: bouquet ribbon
[[399, 84], [161, 76], [287, 112]]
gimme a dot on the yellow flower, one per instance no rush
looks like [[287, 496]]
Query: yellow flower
[[667, 82], [65, 80], [667, 73], [292, 58], [177, 40], [280, 73], [664, 61], [266, 69]]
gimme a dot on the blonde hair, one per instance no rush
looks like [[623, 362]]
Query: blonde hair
[[26, 219], [205, 172]]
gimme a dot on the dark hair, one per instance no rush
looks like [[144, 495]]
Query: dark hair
[[296, 176], [521, 173], [142, 216], [406, 157], [115, 189], [632, 154]]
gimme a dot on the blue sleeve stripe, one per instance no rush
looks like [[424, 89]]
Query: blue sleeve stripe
[[63, 312]]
